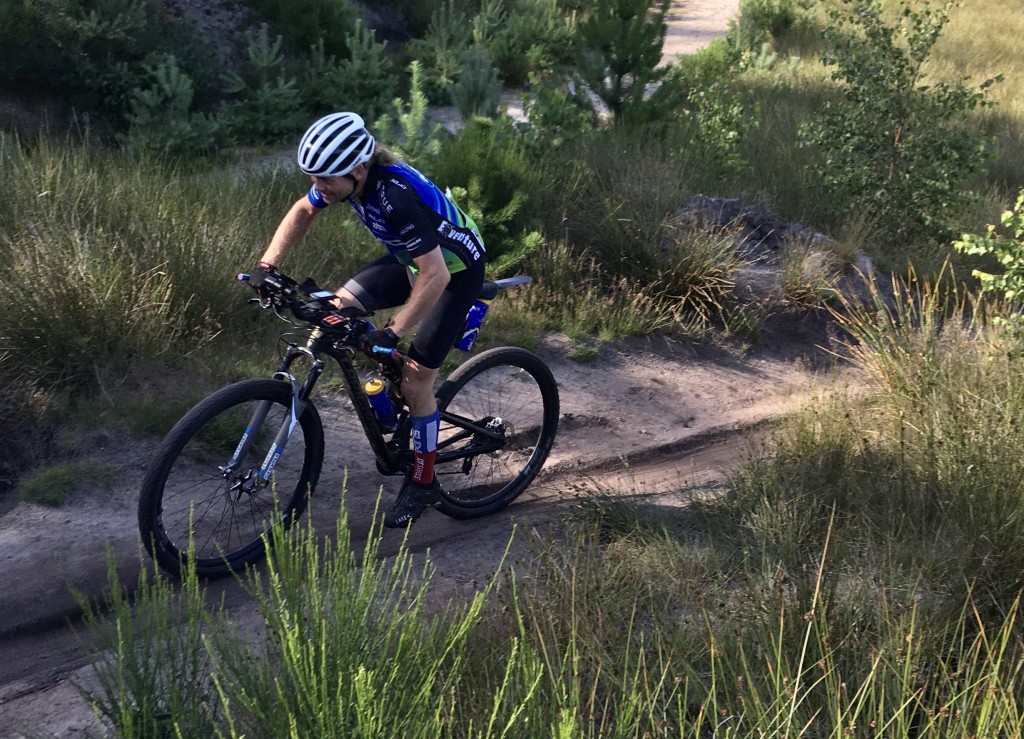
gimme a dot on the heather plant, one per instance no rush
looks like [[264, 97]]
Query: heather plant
[[633, 624]]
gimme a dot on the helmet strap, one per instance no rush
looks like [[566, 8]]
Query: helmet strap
[[355, 185]]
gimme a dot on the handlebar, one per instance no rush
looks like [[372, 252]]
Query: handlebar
[[307, 302], [311, 304]]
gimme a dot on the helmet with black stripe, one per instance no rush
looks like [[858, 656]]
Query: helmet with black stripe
[[335, 145]]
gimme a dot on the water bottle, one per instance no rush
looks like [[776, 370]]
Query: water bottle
[[382, 406], [474, 318]]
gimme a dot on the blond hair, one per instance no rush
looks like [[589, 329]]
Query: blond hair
[[382, 155]]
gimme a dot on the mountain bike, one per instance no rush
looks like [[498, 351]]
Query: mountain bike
[[252, 452]]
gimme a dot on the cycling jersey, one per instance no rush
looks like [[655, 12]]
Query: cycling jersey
[[409, 215]]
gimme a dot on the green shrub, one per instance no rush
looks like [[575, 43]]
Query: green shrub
[[162, 118], [93, 55], [555, 116], [537, 38], [364, 81], [892, 144], [266, 107], [619, 52], [440, 51], [405, 128], [478, 91], [761, 21], [487, 169], [307, 22], [52, 486], [1008, 250]]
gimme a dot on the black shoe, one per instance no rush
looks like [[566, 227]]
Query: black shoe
[[413, 500]]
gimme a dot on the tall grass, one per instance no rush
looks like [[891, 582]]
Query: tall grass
[[633, 626], [117, 267], [111, 257]]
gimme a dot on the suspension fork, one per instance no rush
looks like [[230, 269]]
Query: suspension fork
[[299, 401]]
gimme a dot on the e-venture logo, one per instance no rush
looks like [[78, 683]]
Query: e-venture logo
[[450, 232]]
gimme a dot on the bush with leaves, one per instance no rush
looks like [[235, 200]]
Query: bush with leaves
[[1006, 246], [893, 143], [555, 114]]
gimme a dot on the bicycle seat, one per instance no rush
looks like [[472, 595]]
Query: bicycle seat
[[490, 288]]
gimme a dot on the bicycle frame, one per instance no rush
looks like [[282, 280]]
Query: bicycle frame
[[393, 455]]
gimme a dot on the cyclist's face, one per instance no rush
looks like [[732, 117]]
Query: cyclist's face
[[333, 189]]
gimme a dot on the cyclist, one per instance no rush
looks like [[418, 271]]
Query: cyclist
[[433, 269]]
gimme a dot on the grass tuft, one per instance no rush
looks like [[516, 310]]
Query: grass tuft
[[52, 486]]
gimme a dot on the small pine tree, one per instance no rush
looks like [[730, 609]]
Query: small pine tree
[[406, 129], [620, 50], [478, 91]]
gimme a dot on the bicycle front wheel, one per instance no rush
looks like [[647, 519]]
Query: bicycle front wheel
[[499, 417], [203, 497]]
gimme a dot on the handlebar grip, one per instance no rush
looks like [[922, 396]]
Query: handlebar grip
[[386, 351], [242, 276]]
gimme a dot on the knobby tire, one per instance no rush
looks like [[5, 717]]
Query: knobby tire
[[513, 391], [187, 509]]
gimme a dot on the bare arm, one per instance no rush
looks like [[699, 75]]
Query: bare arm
[[290, 231], [430, 283]]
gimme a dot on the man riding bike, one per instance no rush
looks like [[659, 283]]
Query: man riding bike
[[434, 270]]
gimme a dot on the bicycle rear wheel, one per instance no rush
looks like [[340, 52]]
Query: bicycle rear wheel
[[499, 417], [197, 501]]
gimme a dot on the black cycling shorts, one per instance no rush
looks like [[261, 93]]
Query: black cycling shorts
[[385, 283]]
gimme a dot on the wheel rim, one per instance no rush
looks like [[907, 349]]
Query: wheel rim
[[508, 401], [223, 515]]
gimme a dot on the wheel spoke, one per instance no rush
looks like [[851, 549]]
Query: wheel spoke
[[223, 519]]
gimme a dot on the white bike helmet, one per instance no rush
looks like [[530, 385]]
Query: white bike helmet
[[335, 145]]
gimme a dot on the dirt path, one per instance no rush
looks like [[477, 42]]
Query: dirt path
[[648, 419], [693, 23]]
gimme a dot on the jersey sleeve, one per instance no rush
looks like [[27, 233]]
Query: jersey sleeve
[[315, 198], [409, 215]]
